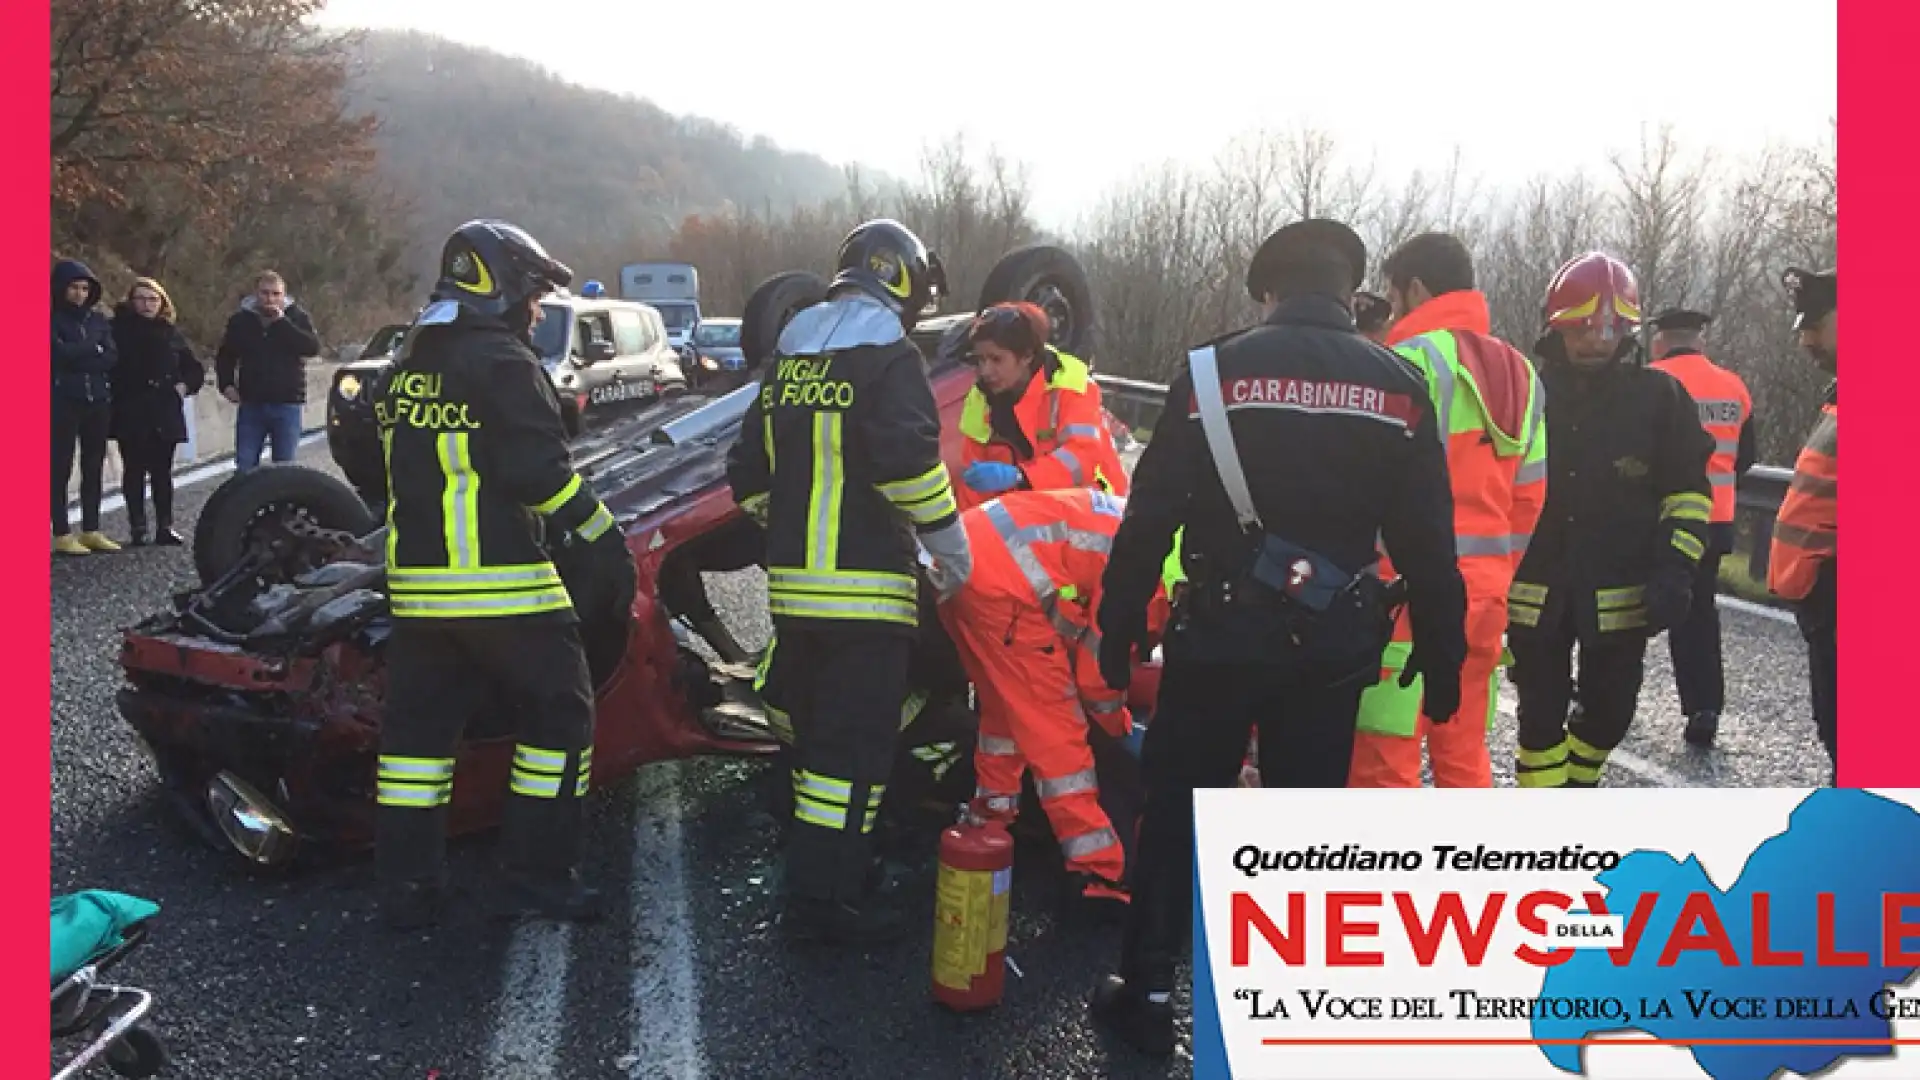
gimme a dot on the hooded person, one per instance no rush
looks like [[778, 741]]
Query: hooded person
[[83, 359]]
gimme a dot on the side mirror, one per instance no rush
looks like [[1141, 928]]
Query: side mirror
[[595, 352]]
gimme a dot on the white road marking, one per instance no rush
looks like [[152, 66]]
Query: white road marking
[[530, 1021], [1749, 607], [189, 478], [666, 1002]]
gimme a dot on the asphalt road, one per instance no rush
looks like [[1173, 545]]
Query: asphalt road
[[293, 978]]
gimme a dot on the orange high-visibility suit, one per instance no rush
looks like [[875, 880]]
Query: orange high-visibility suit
[[1062, 420], [1491, 412], [1022, 626]]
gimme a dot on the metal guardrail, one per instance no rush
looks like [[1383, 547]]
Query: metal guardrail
[[1756, 502]]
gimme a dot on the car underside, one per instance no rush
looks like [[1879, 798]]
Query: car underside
[[260, 693]]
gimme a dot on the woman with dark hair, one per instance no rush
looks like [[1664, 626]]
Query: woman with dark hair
[[83, 358], [1033, 420], [156, 374]]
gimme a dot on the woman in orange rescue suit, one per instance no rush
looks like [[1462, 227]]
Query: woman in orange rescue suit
[[1033, 419], [1022, 627]]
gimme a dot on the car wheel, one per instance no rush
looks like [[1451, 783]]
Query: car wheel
[[1053, 279], [777, 300], [285, 510]]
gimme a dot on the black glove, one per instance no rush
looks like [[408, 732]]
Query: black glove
[[1116, 650], [1669, 597], [1440, 689], [614, 574]]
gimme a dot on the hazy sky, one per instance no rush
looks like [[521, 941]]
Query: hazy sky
[[1089, 97]]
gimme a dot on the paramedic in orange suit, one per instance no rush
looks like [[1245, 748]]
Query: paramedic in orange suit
[[1490, 407], [1033, 419], [1022, 626]]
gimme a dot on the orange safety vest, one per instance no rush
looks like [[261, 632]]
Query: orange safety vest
[[1049, 549], [1806, 533], [1725, 406], [1490, 405], [1061, 415]]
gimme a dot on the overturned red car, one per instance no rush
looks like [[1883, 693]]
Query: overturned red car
[[260, 694]]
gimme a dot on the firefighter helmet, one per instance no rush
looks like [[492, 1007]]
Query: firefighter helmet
[[885, 260], [493, 268], [1597, 291]]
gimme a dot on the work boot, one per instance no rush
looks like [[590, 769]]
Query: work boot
[[166, 537], [835, 922], [413, 905], [1702, 726], [97, 541], [561, 899], [136, 534], [1143, 1021], [69, 544]]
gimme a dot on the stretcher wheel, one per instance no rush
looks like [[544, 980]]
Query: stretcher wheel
[[139, 1053]]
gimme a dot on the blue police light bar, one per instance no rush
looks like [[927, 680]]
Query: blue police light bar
[[592, 289]]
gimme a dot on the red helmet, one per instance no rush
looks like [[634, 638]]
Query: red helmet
[[1594, 290]]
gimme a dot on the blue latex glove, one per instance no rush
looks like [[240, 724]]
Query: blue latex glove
[[990, 477], [1135, 740]]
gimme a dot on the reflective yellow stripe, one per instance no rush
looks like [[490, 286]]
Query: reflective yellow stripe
[[532, 757], [766, 439], [393, 767], [974, 422], [596, 525], [1585, 761], [823, 501], [486, 578], [417, 796], [1541, 768], [1625, 597], [393, 534], [1630, 619], [1686, 506], [843, 583], [916, 488], [459, 499], [1689, 545], [1522, 614], [567, 491], [1521, 592], [820, 800], [480, 605]]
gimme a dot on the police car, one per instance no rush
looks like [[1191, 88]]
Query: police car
[[603, 355]]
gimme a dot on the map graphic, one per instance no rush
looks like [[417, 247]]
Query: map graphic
[[1854, 845]]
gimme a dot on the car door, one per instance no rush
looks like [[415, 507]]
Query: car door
[[595, 328], [663, 360], [633, 370]]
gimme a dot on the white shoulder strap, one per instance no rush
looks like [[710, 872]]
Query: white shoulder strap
[[1204, 369]]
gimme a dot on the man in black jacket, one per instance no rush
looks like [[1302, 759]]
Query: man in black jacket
[[484, 499], [83, 359], [1287, 452], [261, 367], [1613, 559]]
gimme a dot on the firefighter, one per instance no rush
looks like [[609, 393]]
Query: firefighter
[[1373, 316], [476, 458], [1802, 565], [1022, 627], [1281, 620], [839, 452], [1622, 534], [1726, 412], [1490, 421], [1033, 418]]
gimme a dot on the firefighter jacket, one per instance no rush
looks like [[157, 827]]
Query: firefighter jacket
[[1726, 412], [1336, 439], [1056, 432], [1626, 497], [475, 457], [1491, 418], [840, 450], [1806, 534]]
